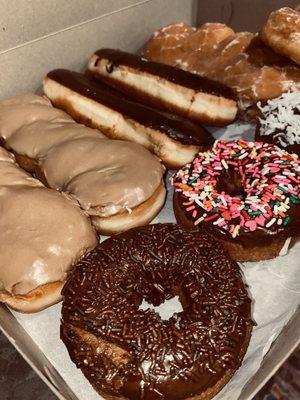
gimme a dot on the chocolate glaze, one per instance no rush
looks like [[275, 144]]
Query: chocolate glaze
[[276, 121], [259, 238], [231, 183], [292, 148], [154, 358], [180, 129], [172, 74]]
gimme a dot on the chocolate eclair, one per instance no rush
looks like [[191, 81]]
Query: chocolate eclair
[[165, 87], [245, 194], [175, 140]]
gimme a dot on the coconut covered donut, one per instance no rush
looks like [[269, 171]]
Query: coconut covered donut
[[279, 122], [282, 32], [246, 194], [107, 177], [130, 353]]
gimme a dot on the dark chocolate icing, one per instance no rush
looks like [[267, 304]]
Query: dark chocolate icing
[[259, 238], [172, 74], [177, 128], [259, 136], [154, 358]]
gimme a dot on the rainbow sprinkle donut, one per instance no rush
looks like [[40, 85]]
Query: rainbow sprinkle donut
[[246, 194]]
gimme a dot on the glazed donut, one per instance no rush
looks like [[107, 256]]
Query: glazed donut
[[279, 122], [42, 234], [170, 44], [245, 194], [107, 177], [131, 353], [239, 60], [173, 139], [165, 87], [282, 32]]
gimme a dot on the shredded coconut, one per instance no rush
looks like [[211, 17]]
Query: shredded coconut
[[281, 118]]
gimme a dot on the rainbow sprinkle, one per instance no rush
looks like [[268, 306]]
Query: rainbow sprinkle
[[270, 179]]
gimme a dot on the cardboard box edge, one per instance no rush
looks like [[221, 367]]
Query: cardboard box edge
[[32, 354]]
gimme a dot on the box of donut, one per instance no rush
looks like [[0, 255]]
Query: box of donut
[[150, 195]]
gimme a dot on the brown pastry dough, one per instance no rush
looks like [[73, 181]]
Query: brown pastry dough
[[131, 353], [107, 177], [282, 32], [173, 139], [42, 234], [164, 87]]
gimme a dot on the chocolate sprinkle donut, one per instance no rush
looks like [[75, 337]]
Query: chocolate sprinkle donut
[[130, 353]]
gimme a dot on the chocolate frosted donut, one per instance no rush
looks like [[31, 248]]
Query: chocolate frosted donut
[[246, 194], [130, 353]]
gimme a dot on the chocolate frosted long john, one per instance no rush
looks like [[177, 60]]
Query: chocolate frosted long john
[[174, 139], [165, 87]]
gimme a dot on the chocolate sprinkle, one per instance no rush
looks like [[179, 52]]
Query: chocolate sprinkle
[[129, 352]]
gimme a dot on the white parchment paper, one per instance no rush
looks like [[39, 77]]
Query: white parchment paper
[[274, 287]]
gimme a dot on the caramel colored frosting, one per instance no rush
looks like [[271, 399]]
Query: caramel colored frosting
[[105, 176], [12, 175], [42, 232], [36, 139], [27, 109]]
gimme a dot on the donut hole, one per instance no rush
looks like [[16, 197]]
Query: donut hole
[[158, 296], [230, 182], [165, 310]]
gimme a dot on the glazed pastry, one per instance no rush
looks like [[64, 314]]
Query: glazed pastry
[[131, 353], [282, 32], [171, 44], [165, 87], [279, 122], [106, 177], [173, 139], [245, 194], [42, 234], [241, 61]]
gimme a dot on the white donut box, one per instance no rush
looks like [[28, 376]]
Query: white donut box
[[38, 36]]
